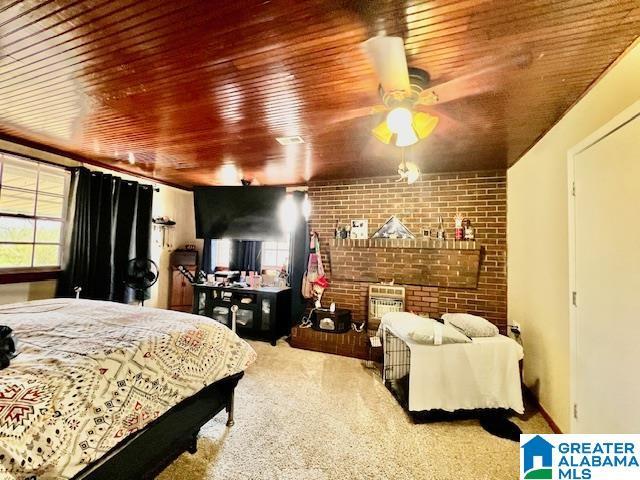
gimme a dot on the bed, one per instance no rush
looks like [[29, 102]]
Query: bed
[[105, 390], [482, 374]]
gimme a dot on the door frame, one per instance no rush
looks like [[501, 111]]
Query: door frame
[[617, 122]]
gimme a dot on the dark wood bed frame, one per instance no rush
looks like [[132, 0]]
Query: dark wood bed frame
[[144, 454]]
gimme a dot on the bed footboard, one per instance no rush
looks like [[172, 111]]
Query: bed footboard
[[146, 453]]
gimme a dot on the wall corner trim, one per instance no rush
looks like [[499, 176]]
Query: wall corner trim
[[529, 395]]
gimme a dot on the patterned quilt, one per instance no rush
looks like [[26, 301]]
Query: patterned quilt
[[91, 373]]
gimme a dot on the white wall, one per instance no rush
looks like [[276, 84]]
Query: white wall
[[537, 236], [21, 292], [169, 201]]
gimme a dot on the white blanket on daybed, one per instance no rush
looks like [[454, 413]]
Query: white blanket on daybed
[[482, 374]]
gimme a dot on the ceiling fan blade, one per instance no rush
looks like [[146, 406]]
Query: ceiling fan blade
[[446, 123], [390, 62], [477, 79], [354, 113]]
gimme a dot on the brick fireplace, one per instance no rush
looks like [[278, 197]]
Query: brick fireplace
[[413, 262], [480, 196]]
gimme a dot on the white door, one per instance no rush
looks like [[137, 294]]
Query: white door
[[607, 283]]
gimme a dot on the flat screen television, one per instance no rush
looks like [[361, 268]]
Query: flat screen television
[[241, 213]]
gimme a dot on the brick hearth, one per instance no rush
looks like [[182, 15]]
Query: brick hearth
[[348, 344]]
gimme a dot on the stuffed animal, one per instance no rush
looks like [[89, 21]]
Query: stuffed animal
[[7, 346]]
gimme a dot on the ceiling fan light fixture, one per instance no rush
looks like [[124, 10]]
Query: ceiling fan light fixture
[[406, 138], [424, 124], [382, 133], [399, 120]]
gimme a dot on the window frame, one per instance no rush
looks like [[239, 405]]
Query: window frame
[[216, 253], [277, 251], [36, 273]]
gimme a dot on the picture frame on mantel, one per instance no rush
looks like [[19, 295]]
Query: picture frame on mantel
[[393, 228], [359, 229]]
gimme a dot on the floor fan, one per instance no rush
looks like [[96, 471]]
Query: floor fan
[[141, 274]]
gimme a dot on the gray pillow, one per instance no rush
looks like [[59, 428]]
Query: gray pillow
[[471, 325], [436, 333]]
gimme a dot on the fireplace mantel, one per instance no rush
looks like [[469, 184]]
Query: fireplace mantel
[[426, 243], [427, 262]]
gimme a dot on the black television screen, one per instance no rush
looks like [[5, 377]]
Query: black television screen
[[242, 213]]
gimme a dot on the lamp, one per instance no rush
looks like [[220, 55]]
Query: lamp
[[424, 124], [382, 133], [406, 138], [399, 120], [406, 127]]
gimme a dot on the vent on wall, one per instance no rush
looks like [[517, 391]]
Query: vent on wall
[[384, 299], [294, 140]]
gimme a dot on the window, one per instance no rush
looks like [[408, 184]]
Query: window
[[32, 211], [275, 254], [223, 253]]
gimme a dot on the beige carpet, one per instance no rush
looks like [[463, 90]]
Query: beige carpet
[[311, 416]]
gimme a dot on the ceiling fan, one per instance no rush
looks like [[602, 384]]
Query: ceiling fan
[[406, 91], [402, 89]]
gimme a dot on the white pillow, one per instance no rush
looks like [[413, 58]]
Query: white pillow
[[471, 325], [436, 333], [402, 322]]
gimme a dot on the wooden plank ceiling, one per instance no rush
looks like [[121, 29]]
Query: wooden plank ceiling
[[194, 92]]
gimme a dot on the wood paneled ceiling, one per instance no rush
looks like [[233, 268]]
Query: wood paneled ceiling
[[194, 92]]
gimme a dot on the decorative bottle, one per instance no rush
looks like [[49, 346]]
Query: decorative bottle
[[440, 234], [459, 230], [469, 231]]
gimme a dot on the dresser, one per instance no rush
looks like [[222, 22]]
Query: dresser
[[180, 289], [263, 313]]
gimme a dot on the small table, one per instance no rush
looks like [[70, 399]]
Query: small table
[[263, 313]]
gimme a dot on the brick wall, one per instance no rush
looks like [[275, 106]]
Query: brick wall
[[481, 197]]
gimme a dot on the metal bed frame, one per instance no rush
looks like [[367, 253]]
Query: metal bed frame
[[147, 452]]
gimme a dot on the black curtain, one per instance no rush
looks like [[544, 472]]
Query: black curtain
[[142, 232], [110, 221], [208, 253], [298, 256], [246, 255]]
